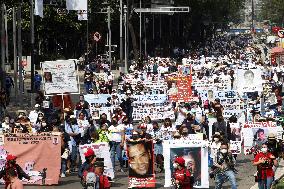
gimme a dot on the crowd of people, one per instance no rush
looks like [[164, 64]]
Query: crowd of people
[[216, 63]]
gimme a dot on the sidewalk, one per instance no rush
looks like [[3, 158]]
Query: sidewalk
[[278, 173]]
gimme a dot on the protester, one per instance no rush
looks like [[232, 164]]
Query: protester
[[14, 181], [8, 175], [181, 174], [224, 164], [264, 161]]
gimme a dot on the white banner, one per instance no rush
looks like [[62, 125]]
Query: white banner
[[38, 8], [194, 152], [76, 4], [101, 151], [60, 77]]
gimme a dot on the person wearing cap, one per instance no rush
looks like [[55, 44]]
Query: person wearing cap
[[88, 165], [12, 164], [273, 145], [181, 176], [99, 171]]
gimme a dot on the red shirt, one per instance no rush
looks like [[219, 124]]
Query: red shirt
[[183, 181], [269, 171], [104, 183]]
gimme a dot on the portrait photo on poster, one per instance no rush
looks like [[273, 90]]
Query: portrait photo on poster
[[140, 155], [192, 158], [47, 77]]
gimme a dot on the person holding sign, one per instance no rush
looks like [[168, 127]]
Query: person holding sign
[[264, 161], [181, 176]]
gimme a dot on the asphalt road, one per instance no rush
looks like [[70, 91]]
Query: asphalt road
[[245, 178]]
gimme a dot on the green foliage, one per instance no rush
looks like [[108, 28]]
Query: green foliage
[[273, 10]]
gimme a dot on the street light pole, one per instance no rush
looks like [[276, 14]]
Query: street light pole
[[21, 81], [2, 47], [32, 46], [15, 56], [125, 40], [109, 35], [121, 33], [140, 31]]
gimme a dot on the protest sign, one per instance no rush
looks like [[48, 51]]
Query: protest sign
[[195, 154], [181, 91], [101, 151], [255, 133], [249, 80], [39, 155], [60, 77], [141, 164]]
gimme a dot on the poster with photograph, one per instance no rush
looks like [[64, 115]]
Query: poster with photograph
[[249, 80], [256, 133], [195, 154], [141, 164], [101, 151], [60, 77], [180, 89]]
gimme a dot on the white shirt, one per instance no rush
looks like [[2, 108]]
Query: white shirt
[[214, 148], [33, 116], [180, 116], [116, 132]]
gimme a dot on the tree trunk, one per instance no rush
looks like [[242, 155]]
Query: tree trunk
[[134, 41]]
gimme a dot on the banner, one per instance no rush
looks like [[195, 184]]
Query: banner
[[38, 8], [76, 4], [249, 80], [195, 154], [141, 164], [257, 133], [60, 77], [180, 89], [101, 151], [38, 155]]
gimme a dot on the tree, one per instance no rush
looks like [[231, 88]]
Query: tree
[[273, 10]]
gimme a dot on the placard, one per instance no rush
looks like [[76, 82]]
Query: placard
[[60, 77], [141, 164], [101, 151], [195, 154]]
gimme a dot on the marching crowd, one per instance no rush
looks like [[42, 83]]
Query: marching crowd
[[216, 61]]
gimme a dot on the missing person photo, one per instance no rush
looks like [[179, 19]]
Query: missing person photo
[[140, 155]]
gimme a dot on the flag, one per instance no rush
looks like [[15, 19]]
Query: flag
[[82, 15], [76, 4], [39, 8]]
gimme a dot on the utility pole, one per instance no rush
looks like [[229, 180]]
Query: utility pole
[[32, 47], [6, 36], [140, 31], [15, 56], [2, 47], [125, 40], [120, 33], [21, 81], [109, 36]]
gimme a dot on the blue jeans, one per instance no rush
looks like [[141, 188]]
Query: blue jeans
[[63, 165], [73, 156], [269, 181], [116, 149], [221, 178], [88, 86]]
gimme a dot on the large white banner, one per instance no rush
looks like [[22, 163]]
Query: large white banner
[[249, 80], [60, 77], [76, 4], [195, 154], [101, 151]]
